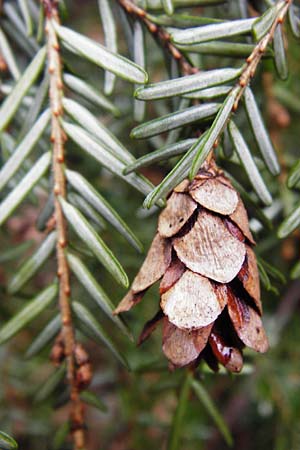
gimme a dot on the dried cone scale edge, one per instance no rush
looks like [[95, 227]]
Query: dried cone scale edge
[[156, 263], [216, 196], [179, 209], [181, 347], [229, 356], [248, 324], [249, 277]]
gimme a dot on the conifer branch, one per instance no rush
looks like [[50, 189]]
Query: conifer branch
[[160, 34], [253, 60], [58, 139], [248, 72], [255, 57]]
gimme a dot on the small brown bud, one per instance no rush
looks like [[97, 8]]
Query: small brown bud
[[62, 243], [58, 351], [84, 376], [67, 291], [57, 112], [235, 106], [51, 224], [152, 28], [141, 13], [66, 321], [216, 143], [81, 356]]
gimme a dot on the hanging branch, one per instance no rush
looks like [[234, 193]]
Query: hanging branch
[[58, 139]]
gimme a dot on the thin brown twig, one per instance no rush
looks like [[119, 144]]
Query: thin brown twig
[[58, 139], [160, 34], [255, 57]]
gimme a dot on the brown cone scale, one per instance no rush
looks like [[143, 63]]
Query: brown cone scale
[[179, 209], [182, 187], [150, 326], [249, 276], [247, 324], [210, 303], [154, 266], [191, 303], [172, 274], [240, 218], [216, 197], [128, 302], [182, 347], [226, 354], [210, 249]]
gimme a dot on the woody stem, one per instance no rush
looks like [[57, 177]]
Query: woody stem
[[255, 57], [58, 139], [159, 33], [252, 62]]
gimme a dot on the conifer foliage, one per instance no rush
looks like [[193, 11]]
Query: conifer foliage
[[203, 111]]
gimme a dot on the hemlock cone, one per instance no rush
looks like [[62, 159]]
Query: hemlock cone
[[210, 304]]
